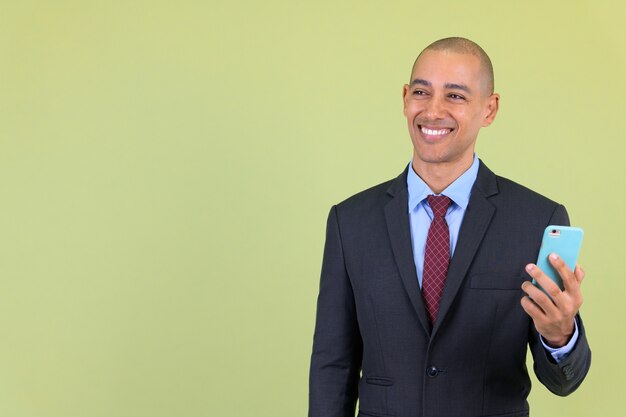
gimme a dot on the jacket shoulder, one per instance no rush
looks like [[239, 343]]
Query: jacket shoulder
[[369, 199], [516, 192], [368, 194]]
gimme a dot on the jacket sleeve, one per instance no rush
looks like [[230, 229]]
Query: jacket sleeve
[[337, 345], [565, 377]]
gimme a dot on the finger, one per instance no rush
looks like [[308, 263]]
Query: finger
[[532, 309], [544, 281], [579, 273], [570, 283], [540, 299]]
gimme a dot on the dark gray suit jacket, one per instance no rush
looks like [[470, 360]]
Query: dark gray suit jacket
[[373, 340]]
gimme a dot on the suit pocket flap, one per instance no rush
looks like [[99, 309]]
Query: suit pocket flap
[[379, 380], [371, 414]]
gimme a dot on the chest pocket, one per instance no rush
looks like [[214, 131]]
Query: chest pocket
[[498, 281]]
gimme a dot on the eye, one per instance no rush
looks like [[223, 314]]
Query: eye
[[419, 93], [455, 96]]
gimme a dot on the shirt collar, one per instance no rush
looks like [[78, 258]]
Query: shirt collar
[[459, 191]]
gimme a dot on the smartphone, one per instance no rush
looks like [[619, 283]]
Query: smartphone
[[565, 241]]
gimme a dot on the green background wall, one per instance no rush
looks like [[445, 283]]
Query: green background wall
[[166, 169]]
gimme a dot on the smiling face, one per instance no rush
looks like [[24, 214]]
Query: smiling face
[[446, 104]]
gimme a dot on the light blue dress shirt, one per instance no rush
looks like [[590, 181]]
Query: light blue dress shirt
[[420, 216]]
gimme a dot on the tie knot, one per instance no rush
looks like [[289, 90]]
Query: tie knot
[[439, 204]]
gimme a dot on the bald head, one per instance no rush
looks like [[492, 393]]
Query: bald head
[[463, 46]]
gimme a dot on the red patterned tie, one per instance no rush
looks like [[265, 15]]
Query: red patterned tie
[[436, 256]]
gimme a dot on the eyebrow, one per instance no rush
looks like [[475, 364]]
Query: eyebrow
[[449, 86], [452, 86], [419, 81]]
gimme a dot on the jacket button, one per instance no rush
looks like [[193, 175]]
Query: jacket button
[[432, 371], [567, 370]]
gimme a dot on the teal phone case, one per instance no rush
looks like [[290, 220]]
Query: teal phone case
[[564, 241]]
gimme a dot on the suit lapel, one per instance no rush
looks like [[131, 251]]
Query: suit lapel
[[475, 223], [397, 217]]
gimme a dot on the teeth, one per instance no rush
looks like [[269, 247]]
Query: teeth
[[435, 132]]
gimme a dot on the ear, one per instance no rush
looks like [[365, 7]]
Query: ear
[[493, 103], [405, 92]]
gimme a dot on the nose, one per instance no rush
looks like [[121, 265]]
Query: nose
[[434, 108]]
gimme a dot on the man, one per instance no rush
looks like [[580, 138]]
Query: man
[[425, 306]]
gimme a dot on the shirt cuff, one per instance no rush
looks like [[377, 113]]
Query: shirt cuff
[[561, 353]]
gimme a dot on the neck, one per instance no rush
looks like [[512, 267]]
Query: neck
[[438, 176]]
